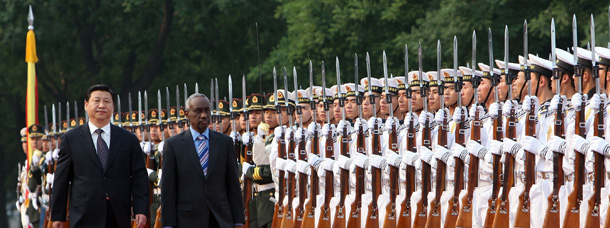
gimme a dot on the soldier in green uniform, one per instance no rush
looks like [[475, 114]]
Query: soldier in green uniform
[[35, 174], [225, 117], [154, 156], [259, 171]]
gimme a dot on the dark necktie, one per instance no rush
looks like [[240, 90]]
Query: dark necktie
[[102, 148]]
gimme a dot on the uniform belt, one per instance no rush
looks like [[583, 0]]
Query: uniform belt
[[569, 177], [263, 187], [546, 175], [157, 191]]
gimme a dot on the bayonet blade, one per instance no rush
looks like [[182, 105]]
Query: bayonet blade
[[168, 113], [54, 119], [230, 94], [46, 121], [130, 110], [76, 114], [323, 83], [145, 108], [68, 114], [295, 81], [196, 87], [118, 99], [159, 123], [178, 106], [553, 45]]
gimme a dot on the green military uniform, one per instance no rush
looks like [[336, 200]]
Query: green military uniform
[[154, 163], [239, 147], [261, 208], [35, 178]]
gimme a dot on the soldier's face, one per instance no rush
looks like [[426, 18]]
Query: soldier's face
[[242, 122], [155, 133], [255, 118], [351, 109], [367, 107], [467, 93], [99, 107], [224, 124], [270, 118], [502, 89], [284, 116], [338, 110], [519, 83], [305, 113], [403, 105], [451, 97], [434, 99], [24, 146], [320, 111], [36, 143], [385, 107], [46, 145], [484, 89], [417, 99]]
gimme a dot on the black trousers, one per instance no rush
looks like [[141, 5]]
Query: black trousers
[[110, 219]]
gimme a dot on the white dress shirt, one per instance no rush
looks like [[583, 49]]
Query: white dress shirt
[[105, 135]]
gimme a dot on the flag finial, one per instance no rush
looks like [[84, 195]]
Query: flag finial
[[31, 19]]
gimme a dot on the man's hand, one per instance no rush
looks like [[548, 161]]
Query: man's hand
[[58, 224], [140, 220]]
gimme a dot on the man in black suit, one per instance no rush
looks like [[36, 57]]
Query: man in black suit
[[101, 168], [199, 181]]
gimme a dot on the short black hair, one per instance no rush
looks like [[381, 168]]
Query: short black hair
[[100, 87]]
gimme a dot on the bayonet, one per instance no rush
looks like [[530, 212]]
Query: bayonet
[[340, 93], [178, 120], [326, 106], [475, 80], [147, 129], [160, 122], [196, 87], [526, 56], [312, 104], [368, 75], [509, 78], [76, 114], [218, 119], [441, 87], [168, 115], [296, 96], [495, 79], [231, 104], [387, 92], [593, 58], [554, 59], [53, 119], [421, 79], [456, 79], [118, 99], [140, 115], [286, 97], [59, 116], [188, 123], [243, 101], [46, 121], [212, 103], [68, 114], [130, 112]]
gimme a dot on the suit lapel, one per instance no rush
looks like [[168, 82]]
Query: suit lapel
[[212, 150], [89, 147], [191, 153], [115, 144]]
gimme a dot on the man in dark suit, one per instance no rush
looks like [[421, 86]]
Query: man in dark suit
[[101, 169], [199, 181]]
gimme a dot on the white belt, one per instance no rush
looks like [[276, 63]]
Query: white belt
[[157, 191], [263, 187]]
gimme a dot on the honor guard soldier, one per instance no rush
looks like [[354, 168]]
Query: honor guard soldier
[[224, 115], [270, 117], [183, 119], [154, 157], [320, 106], [434, 98], [603, 64], [171, 125], [259, 171], [35, 134], [403, 106], [383, 102], [126, 116], [303, 96], [375, 88]]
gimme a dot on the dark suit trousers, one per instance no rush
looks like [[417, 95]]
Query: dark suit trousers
[[110, 219]]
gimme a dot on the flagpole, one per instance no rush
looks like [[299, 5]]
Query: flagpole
[[31, 102]]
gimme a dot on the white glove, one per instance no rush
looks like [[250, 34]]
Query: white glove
[[245, 167], [361, 123], [312, 128], [557, 144], [411, 117], [508, 105], [510, 146], [377, 161], [579, 144], [235, 136], [360, 160], [287, 134], [527, 103], [555, 102], [290, 165], [328, 164], [344, 162], [371, 122], [409, 158], [532, 145], [423, 116], [474, 148], [327, 130], [279, 163], [48, 157], [494, 108], [303, 167], [599, 145], [159, 175], [35, 160], [147, 147], [56, 154], [277, 132], [246, 138], [577, 99], [50, 178], [439, 117], [440, 151], [300, 133], [343, 124], [495, 147], [426, 154], [261, 131], [393, 158], [457, 114], [149, 171], [474, 109], [160, 147], [596, 100], [314, 160], [391, 121], [460, 152]]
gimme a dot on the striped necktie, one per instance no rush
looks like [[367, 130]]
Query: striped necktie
[[202, 152]]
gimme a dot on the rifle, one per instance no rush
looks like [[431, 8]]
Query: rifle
[[422, 205], [571, 218], [354, 220], [339, 220], [522, 218], [593, 214], [372, 218], [434, 218], [158, 223], [247, 188], [288, 218], [324, 217], [390, 216], [404, 220], [310, 206], [278, 208], [302, 155], [551, 218]]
